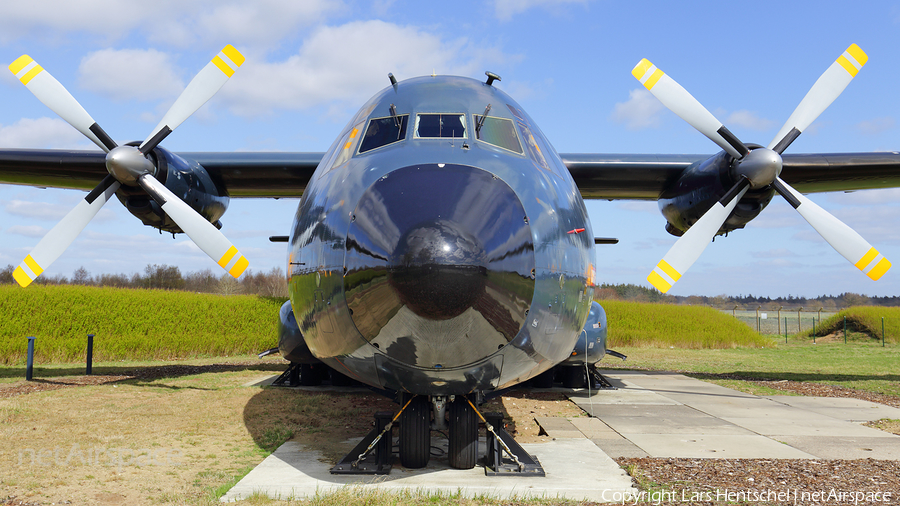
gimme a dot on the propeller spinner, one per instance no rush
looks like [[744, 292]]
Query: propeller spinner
[[759, 168], [129, 165]]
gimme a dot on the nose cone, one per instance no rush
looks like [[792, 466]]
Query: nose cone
[[438, 270], [438, 265]]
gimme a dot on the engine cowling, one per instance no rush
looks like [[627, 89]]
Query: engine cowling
[[591, 344], [699, 187], [185, 178]]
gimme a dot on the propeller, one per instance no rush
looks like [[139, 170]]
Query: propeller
[[129, 165], [759, 168]]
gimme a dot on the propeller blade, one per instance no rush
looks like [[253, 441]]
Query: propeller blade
[[689, 246], [55, 96], [64, 233], [841, 237], [204, 85], [682, 103], [203, 233], [825, 90]]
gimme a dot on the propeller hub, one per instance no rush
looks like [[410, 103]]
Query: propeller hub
[[760, 166], [127, 165]]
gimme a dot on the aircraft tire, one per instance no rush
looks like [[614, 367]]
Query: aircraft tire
[[310, 375], [573, 377], [415, 434], [463, 444], [544, 379]]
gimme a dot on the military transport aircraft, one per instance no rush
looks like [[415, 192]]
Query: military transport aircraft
[[441, 248]]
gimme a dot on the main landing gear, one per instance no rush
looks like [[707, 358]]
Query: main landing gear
[[457, 415]]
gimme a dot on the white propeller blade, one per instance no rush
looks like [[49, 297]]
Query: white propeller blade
[[841, 237], [826, 89], [204, 85], [55, 96], [690, 246], [64, 233], [682, 103], [203, 233]]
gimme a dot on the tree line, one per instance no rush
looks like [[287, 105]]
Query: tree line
[[274, 284], [747, 302], [169, 277]]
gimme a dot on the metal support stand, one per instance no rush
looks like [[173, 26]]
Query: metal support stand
[[89, 369], [29, 364], [601, 382], [377, 462], [495, 464], [289, 378]]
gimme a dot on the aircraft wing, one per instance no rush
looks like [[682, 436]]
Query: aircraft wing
[[243, 174], [630, 176], [598, 176]]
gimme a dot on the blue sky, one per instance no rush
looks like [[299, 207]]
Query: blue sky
[[310, 64]]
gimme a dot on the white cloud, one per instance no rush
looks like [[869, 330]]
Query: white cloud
[[37, 210], [749, 120], [506, 9], [876, 126], [773, 253], [130, 74], [866, 197], [642, 110], [28, 230], [184, 22], [39, 133], [348, 63]]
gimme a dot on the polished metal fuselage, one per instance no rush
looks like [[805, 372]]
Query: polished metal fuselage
[[442, 265]]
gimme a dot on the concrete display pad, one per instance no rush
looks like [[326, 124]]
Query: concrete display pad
[[649, 415]]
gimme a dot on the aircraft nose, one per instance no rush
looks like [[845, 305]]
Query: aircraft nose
[[438, 269], [438, 265]]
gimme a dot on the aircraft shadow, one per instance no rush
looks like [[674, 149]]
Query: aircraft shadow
[[278, 411]]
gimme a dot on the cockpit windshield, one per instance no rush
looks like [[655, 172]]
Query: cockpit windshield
[[441, 125], [384, 131]]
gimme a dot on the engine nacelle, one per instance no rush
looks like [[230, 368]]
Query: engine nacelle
[[186, 179], [699, 187], [591, 344]]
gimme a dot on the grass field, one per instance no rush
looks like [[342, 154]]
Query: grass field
[[131, 324], [202, 432], [665, 325]]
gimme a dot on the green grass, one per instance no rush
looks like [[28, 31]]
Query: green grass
[[663, 325], [131, 324], [866, 320], [854, 365]]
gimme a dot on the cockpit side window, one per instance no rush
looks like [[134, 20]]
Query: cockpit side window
[[499, 132], [534, 150], [384, 131], [441, 125], [348, 145]]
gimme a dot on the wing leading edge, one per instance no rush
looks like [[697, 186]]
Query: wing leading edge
[[598, 176]]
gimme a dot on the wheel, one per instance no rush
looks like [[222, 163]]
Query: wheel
[[463, 435], [415, 434], [310, 375], [544, 379], [573, 377]]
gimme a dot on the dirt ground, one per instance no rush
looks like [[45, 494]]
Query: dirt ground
[[184, 434]]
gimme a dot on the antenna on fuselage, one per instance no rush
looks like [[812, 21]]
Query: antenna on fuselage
[[393, 80], [491, 77]]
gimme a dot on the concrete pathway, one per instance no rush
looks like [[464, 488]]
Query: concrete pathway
[[671, 415]]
